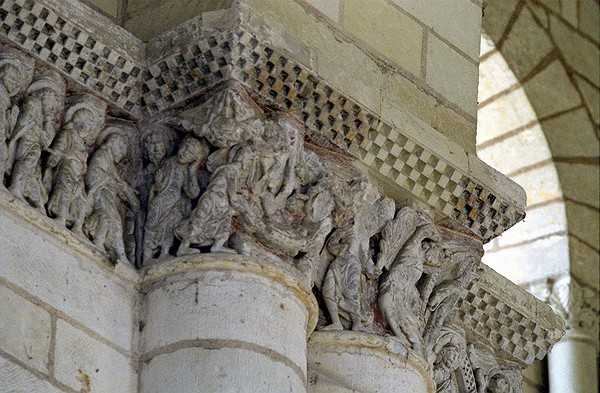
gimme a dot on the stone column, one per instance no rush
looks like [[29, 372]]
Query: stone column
[[573, 362], [220, 323]]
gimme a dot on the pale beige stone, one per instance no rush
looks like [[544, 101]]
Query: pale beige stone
[[151, 21], [521, 150], [107, 369], [339, 62], [135, 5], [25, 330], [540, 13], [580, 182], [584, 262], [496, 16], [224, 369], [540, 221], [15, 379], [506, 113], [329, 8], [526, 44], [495, 180], [535, 261], [569, 11], [386, 30], [442, 15], [54, 270], [111, 7], [541, 184], [452, 75], [551, 90], [407, 107], [495, 76], [578, 52], [583, 222], [487, 45], [581, 140], [591, 96], [589, 18]]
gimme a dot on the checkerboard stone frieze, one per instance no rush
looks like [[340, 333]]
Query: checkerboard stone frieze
[[274, 78], [110, 73]]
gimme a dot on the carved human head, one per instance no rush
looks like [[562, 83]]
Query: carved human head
[[117, 145], [498, 384], [450, 356], [158, 142], [16, 70], [86, 114], [193, 150], [50, 87]]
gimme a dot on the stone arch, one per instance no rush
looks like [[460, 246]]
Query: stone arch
[[543, 103]]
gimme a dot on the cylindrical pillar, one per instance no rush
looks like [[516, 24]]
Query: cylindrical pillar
[[347, 361], [572, 364], [225, 323]]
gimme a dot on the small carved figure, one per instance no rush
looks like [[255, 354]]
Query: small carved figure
[[106, 191], [33, 133], [16, 72], [67, 163], [448, 355], [175, 185], [350, 246], [209, 224], [399, 299], [490, 376]]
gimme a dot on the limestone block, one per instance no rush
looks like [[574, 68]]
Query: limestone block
[[591, 96], [330, 8], [547, 257], [589, 11], [583, 222], [496, 17], [578, 52], [348, 361], [341, 63], [15, 379], [495, 76], [25, 330], [404, 103], [452, 75], [540, 221], [442, 15], [218, 370], [386, 30], [541, 184], [158, 18], [56, 270], [584, 262], [78, 354], [579, 182], [511, 110], [551, 90], [526, 44], [581, 140], [518, 151], [110, 7], [569, 11]]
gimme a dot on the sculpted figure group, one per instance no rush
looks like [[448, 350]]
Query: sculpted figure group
[[49, 154]]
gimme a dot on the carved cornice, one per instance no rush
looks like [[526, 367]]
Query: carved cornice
[[578, 305], [467, 194]]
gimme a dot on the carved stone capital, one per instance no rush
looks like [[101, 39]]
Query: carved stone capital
[[578, 305]]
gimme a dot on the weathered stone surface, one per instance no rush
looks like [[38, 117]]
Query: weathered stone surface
[[14, 378], [79, 355], [581, 188], [581, 141], [26, 330], [591, 96], [329, 8]]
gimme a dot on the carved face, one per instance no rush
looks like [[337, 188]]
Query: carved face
[[498, 384], [450, 357], [84, 121], [118, 146], [11, 78], [51, 103], [156, 147], [433, 253], [192, 150]]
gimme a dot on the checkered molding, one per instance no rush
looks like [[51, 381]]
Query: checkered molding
[[74, 52], [273, 78], [505, 329]]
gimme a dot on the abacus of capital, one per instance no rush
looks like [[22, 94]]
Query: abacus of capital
[[213, 215]]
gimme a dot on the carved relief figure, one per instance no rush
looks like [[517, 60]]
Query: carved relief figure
[[209, 223], [399, 298], [448, 355], [16, 72], [350, 246], [67, 163], [33, 133], [106, 192], [170, 200], [490, 376]]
